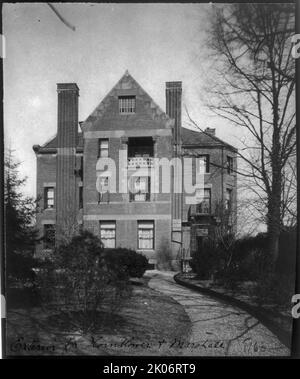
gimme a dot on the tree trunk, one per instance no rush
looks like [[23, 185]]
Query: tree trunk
[[273, 222], [274, 204]]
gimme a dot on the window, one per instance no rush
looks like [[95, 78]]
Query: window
[[228, 199], [146, 235], [103, 183], [229, 165], [203, 164], [49, 197], [81, 169], [126, 104], [140, 189], [103, 189], [108, 233], [80, 197], [49, 236], [103, 148], [204, 200]]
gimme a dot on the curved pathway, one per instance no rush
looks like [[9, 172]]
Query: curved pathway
[[217, 329]]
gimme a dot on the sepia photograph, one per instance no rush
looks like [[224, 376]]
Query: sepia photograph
[[150, 180]]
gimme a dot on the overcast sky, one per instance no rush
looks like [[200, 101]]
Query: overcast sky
[[155, 42]]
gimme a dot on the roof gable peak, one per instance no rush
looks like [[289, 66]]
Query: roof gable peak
[[126, 85]]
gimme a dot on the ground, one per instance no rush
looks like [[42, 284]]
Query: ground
[[147, 317], [161, 318], [278, 313], [218, 329]]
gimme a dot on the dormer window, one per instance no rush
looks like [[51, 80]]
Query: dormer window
[[126, 104]]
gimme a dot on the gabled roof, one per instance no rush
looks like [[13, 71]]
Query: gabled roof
[[194, 138], [52, 144], [126, 84], [189, 138]]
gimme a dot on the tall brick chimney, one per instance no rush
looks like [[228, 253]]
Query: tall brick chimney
[[67, 137], [173, 109]]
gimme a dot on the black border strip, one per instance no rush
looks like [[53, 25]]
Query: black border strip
[[296, 322], [2, 234]]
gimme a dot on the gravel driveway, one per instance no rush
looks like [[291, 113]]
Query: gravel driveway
[[218, 329]]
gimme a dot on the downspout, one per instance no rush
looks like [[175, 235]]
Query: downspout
[[222, 175]]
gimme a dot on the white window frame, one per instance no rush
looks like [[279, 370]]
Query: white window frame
[[108, 227], [102, 149], [203, 168], [139, 193], [47, 198], [144, 226], [127, 104]]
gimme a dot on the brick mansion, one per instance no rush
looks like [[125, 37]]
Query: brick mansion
[[76, 194]]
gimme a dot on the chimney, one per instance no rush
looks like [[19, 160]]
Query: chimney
[[67, 137], [67, 114], [173, 109], [210, 131]]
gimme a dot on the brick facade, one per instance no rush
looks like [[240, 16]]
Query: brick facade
[[69, 161]]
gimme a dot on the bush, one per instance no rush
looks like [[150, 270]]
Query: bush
[[19, 268], [206, 262], [78, 280], [251, 262], [231, 276], [274, 289], [248, 261], [231, 262], [287, 253], [126, 262], [246, 245]]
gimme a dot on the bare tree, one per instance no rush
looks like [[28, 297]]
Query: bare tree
[[68, 227], [254, 90], [226, 231]]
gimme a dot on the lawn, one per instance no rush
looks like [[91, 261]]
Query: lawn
[[147, 324]]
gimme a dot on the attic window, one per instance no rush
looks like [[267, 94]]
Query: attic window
[[126, 104]]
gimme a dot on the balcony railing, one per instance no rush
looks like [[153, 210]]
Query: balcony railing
[[200, 209], [136, 197], [139, 162]]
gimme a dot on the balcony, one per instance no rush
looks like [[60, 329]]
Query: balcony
[[139, 162], [140, 152], [139, 197], [202, 209]]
